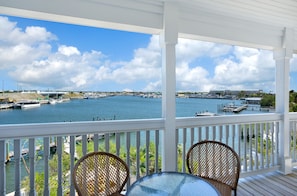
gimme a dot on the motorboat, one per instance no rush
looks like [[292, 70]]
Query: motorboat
[[26, 104]]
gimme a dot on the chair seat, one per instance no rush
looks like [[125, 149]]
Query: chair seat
[[224, 189]]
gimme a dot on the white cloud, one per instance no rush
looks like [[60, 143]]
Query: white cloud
[[251, 69], [19, 47], [201, 66], [68, 50], [65, 69]]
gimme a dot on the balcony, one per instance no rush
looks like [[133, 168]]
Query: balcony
[[266, 143], [140, 143]]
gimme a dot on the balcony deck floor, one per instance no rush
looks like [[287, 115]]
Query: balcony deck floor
[[273, 183]]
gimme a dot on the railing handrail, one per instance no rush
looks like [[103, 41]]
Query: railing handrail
[[14, 131], [227, 119]]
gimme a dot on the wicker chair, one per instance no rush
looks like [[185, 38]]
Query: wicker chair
[[215, 162], [100, 173]]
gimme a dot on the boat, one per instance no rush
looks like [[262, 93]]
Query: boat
[[234, 108], [26, 104], [205, 114], [52, 101]]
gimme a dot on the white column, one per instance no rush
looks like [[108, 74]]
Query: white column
[[282, 58], [168, 40]]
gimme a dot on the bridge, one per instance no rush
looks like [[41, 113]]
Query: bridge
[[52, 94]]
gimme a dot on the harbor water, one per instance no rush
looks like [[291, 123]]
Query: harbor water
[[114, 107]]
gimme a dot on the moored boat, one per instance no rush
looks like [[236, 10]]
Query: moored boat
[[26, 104], [205, 114]]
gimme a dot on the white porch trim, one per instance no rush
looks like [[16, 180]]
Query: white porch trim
[[282, 58], [168, 40]]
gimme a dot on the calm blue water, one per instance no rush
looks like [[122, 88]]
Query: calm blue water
[[116, 107]]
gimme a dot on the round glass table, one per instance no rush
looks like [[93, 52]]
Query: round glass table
[[171, 183]]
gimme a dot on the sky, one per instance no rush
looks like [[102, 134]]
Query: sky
[[42, 55]]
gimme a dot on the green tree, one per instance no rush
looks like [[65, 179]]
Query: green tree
[[268, 100], [53, 170], [293, 101], [53, 165]]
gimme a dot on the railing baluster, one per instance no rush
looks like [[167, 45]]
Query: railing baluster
[[239, 140], [262, 145], [157, 140], [272, 144], [199, 134], [221, 128], [96, 142], [233, 127], [46, 157], [17, 166], [32, 166], [293, 136], [128, 146], [245, 147], [266, 145], [106, 142], [256, 146], [118, 143], [250, 140], [147, 151], [213, 132], [137, 155], [84, 144], [184, 149], [192, 137], [60, 165], [207, 132], [3, 157], [72, 162], [227, 134], [277, 141]]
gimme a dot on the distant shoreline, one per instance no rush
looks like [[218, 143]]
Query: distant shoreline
[[19, 96]]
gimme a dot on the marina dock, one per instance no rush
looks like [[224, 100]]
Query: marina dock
[[25, 152], [234, 108], [6, 106]]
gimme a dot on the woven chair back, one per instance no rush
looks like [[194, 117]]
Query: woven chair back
[[214, 161], [100, 173]]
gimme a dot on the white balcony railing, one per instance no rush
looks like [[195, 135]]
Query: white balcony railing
[[138, 142]]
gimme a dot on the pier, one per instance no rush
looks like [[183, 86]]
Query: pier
[[240, 108], [234, 108], [6, 106], [25, 152]]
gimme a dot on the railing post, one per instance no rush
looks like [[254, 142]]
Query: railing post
[[168, 40], [282, 58]]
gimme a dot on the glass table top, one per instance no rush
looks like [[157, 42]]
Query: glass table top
[[171, 183]]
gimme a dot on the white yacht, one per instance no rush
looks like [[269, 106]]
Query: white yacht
[[26, 104]]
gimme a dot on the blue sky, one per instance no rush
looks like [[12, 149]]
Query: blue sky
[[45, 55]]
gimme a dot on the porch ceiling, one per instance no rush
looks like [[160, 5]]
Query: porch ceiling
[[254, 23]]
